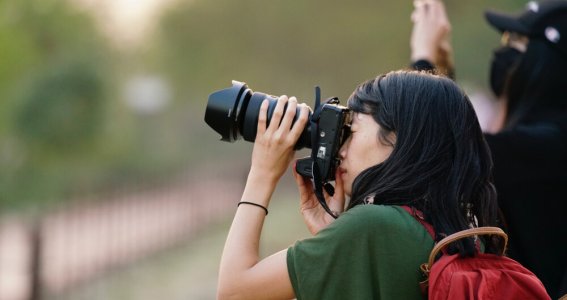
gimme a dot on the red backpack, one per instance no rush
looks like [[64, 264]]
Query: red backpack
[[483, 276]]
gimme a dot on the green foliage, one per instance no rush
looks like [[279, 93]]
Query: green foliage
[[62, 109], [52, 85]]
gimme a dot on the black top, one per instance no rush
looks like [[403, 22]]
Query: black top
[[530, 175]]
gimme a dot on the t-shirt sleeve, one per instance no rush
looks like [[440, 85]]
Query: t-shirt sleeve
[[370, 252]]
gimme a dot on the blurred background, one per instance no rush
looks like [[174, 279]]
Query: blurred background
[[111, 184]]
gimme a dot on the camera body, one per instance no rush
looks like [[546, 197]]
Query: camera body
[[331, 128], [233, 113]]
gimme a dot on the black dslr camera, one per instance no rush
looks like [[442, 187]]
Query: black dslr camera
[[233, 113]]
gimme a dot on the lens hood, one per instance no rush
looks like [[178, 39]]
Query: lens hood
[[223, 109]]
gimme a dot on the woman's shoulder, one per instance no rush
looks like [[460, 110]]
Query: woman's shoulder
[[378, 247], [377, 213], [383, 218], [384, 226]]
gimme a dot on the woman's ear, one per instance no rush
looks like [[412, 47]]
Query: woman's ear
[[386, 137]]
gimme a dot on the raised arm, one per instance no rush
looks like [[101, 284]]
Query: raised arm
[[242, 274], [430, 37]]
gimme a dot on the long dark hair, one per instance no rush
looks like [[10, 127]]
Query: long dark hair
[[538, 84], [440, 163]]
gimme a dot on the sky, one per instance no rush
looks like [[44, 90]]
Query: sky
[[125, 22]]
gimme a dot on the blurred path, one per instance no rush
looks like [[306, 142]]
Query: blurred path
[[189, 272], [93, 237]]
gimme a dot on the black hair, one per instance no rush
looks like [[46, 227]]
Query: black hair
[[538, 84], [440, 163]]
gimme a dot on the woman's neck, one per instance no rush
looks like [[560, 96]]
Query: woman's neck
[[499, 118]]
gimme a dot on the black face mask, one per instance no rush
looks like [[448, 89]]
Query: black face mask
[[503, 61]]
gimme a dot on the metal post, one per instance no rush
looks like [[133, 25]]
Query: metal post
[[35, 260]]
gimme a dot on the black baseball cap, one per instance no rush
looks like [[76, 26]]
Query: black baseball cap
[[544, 19]]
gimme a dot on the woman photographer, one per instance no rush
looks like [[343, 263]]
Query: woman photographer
[[529, 142], [415, 142]]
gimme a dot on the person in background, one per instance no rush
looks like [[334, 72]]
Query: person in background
[[529, 148], [415, 142]]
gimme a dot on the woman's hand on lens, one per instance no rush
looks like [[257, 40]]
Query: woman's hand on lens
[[314, 215], [273, 147]]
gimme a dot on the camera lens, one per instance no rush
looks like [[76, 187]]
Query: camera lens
[[233, 113]]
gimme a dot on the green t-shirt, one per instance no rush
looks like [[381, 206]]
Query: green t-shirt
[[369, 252]]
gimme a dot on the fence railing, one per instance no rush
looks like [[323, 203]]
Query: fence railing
[[74, 244]]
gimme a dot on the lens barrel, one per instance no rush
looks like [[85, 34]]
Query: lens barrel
[[233, 113]]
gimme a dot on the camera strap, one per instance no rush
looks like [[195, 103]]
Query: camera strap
[[318, 189], [316, 172]]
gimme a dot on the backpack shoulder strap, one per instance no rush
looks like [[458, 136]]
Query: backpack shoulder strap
[[464, 234], [418, 215]]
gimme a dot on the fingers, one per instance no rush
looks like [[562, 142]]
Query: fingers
[[301, 121], [420, 4], [289, 114], [281, 127], [420, 9], [337, 201], [430, 9], [425, 4], [438, 12], [262, 117], [277, 114]]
